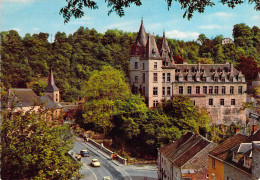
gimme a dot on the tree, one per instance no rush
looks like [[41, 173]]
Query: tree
[[33, 148], [202, 37], [248, 67], [75, 7], [185, 115], [104, 91]]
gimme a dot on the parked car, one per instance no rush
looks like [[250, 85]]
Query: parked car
[[95, 163], [106, 178], [84, 153]]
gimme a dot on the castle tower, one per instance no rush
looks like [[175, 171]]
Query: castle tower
[[51, 89], [165, 52]]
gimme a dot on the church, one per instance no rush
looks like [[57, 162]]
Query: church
[[219, 88]]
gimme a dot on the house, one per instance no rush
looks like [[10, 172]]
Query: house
[[236, 158], [219, 88], [227, 41], [185, 158]]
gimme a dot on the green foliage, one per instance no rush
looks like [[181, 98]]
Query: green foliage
[[104, 91], [32, 148], [74, 8]]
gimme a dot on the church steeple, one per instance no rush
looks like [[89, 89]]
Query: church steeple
[[51, 89], [141, 37], [51, 84]]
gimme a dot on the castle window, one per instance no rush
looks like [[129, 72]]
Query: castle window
[[231, 79], [223, 79], [210, 89], [233, 102], [155, 91], [240, 90], [155, 65], [155, 103], [136, 65], [204, 79], [143, 77], [143, 66], [155, 78], [204, 89], [189, 90], [168, 91], [211, 102], [222, 102], [180, 89], [176, 78], [213, 163], [163, 77], [223, 90], [136, 79], [231, 89], [163, 91], [57, 98], [168, 77], [143, 91], [216, 79], [216, 89], [197, 90]]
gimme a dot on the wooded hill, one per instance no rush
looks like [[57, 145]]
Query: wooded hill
[[27, 60]]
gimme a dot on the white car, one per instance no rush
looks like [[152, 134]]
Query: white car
[[95, 163]]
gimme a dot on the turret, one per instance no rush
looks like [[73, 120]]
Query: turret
[[138, 49], [165, 52]]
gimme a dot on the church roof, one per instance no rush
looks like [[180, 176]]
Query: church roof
[[51, 84], [152, 49], [141, 37], [49, 103], [24, 97]]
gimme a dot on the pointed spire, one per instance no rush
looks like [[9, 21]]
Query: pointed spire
[[152, 49], [165, 51], [51, 84], [141, 37]]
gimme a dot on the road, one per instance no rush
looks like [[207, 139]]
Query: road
[[111, 168]]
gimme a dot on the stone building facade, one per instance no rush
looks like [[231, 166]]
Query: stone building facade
[[219, 88]]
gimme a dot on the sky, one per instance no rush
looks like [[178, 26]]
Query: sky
[[35, 16]]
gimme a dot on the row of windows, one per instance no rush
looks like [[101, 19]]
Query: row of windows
[[222, 102], [168, 91], [155, 66], [209, 90]]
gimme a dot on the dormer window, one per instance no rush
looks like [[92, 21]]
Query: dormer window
[[153, 52], [235, 157], [247, 161]]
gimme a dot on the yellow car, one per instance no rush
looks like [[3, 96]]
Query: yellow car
[[95, 163]]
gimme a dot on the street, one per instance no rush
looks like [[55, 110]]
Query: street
[[111, 168]]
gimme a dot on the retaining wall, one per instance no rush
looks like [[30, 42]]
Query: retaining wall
[[107, 151]]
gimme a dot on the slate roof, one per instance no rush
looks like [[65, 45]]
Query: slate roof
[[141, 37], [152, 50], [215, 70], [51, 84], [185, 148], [25, 97], [49, 103], [165, 51]]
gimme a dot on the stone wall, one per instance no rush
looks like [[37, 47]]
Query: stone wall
[[233, 173]]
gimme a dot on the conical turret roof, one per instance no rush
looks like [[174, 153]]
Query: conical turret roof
[[165, 51], [141, 37], [152, 48], [51, 84]]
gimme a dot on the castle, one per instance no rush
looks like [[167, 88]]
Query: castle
[[219, 88]]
